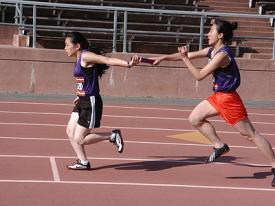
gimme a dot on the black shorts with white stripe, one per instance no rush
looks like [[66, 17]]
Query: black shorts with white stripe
[[90, 111]]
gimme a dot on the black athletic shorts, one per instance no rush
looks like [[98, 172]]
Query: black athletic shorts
[[90, 111]]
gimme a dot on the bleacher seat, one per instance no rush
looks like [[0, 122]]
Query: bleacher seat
[[266, 7], [253, 3]]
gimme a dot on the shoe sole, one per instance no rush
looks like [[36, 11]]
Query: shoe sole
[[121, 141], [78, 168]]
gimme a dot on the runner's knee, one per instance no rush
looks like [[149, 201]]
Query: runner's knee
[[78, 140], [194, 120]]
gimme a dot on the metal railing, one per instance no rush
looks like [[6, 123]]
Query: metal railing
[[20, 4]]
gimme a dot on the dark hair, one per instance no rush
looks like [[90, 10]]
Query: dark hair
[[78, 38], [226, 28]]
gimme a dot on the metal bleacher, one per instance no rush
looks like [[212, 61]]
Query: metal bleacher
[[145, 26], [147, 32]]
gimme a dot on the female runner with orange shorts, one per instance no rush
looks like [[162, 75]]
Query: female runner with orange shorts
[[225, 101]]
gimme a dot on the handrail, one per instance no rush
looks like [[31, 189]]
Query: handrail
[[158, 11], [202, 14]]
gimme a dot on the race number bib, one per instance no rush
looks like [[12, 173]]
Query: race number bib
[[80, 86]]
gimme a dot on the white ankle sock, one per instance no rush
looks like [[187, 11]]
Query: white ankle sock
[[84, 162], [113, 136]]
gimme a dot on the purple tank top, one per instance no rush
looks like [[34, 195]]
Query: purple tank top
[[86, 79], [226, 79]]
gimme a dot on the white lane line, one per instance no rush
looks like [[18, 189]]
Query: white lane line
[[125, 116], [54, 169], [35, 138], [35, 103], [130, 128], [36, 113], [123, 107], [140, 184], [32, 124], [130, 142], [183, 160], [107, 106], [176, 119]]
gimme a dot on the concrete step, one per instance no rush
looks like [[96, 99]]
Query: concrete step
[[250, 22], [247, 23], [221, 3], [229, 1], [257, 56], [6, 34], [234, 9], [262, 50], [256, 20], [253, 33], [261, 43], [244, 27], [227, 10]]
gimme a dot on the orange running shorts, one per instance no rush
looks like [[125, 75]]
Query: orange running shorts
[[229, 105]]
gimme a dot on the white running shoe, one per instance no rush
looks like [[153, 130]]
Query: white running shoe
[[79, 166], [116, 139]]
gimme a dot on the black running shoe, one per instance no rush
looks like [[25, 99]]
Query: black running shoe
[[273, 180], [217, 153], [116, 139], [79, 166]]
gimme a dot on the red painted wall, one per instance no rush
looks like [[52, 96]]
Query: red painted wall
[[43, 71]]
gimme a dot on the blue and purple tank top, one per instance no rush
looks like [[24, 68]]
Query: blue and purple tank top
[[86, 79], [226, 79]]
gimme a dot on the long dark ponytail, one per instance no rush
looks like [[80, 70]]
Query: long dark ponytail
[[78, 38]]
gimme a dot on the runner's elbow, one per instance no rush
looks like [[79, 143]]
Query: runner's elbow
[[199, 78]]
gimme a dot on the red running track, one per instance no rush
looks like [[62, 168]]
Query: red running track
[[154, 169]]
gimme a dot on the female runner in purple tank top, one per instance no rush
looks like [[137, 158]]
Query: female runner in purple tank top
[[225, 101], [87, 113]]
